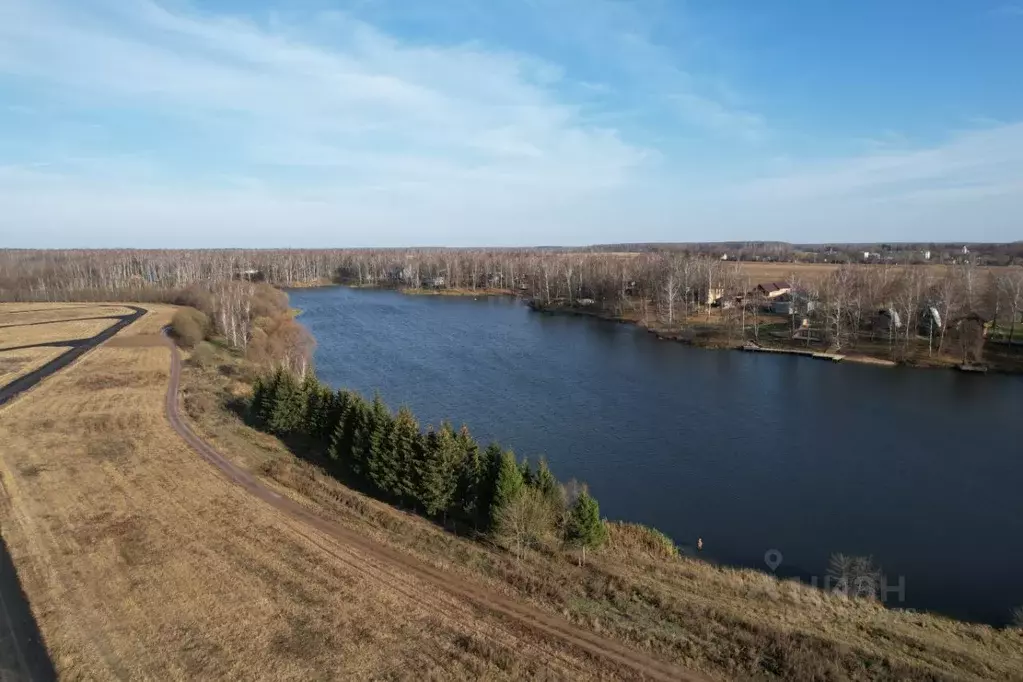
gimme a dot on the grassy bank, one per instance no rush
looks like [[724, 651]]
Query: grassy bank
[[728, 623]]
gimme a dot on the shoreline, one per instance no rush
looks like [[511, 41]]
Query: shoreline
[[750, 346], [854, 357]]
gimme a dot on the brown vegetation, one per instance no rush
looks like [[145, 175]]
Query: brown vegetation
[[51, 333], [140, 562], [18, 363], [189, 326]]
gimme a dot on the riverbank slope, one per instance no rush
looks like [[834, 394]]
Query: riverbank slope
[[727, 623]]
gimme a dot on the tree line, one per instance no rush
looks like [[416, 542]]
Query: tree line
[[441, 473], [662, 284]]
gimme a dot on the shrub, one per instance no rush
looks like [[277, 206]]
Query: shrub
[[203, 356], [634, 539], [189, 327], [584, 527], [527, 520], [1016, 618]]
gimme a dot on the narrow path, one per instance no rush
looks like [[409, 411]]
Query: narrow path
[[529, 618]]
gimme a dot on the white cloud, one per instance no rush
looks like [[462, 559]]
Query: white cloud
[[980, 162], [291, 138], [272, 97]]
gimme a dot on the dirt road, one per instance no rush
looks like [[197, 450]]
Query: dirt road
[[617, 655]]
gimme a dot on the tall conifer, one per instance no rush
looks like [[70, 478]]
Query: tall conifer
[[507, 484], [382, 465]]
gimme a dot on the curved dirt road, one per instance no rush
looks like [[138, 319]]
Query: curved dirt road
[[526, 617]]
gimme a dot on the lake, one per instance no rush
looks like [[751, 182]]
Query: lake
[[922, 469]]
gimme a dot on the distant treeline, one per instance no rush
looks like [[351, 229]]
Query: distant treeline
[[83, 274], [441, 473], [663, 286]]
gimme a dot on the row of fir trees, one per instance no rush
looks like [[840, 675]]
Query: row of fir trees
[[441, 473]]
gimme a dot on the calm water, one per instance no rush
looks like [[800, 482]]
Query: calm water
[[921, 469]]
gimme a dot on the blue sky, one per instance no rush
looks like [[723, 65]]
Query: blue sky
[[192, 123]]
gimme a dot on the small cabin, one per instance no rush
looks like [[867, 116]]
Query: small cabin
[[886, 320], [771, 290]]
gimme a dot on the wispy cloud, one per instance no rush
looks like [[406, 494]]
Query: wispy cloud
[[329, 130], [981, 162], [368, 103]]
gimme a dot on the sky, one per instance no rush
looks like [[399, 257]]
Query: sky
[[359, 123]]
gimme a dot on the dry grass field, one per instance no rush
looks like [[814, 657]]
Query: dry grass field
[[812, 272], [17, 363], [30, 313], [141, 562], [37, 331], [51, 332], [726, 623]]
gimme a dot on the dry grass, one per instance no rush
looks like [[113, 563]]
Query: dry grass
[[57, 332], [810, 272], [140, 562], [728, 623], [156, 318], [30, 313], [17, 363]]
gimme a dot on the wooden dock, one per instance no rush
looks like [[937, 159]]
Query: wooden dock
[[753, 348]]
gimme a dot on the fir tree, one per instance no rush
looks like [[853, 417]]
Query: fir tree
[[260, 390], [288, 407], [545, 482], [310, 419], [264, 398], [489, 468], [323, 423], [406, 444], [584, 528], [360, 433], [507, 484], [433, 489], [527, 473], [341, 440], [451, 455], [469, 477], [381, 464]]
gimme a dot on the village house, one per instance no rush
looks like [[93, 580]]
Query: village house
[[886, 320], [249, 274], [794, 302], [930, 320], [771, 290]]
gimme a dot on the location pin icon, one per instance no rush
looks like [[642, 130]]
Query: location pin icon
[[772, 558]]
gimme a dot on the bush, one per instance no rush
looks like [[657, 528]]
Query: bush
[[189, 327], [528, 520], [1016, 619], [633, 539], [203, 356]]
